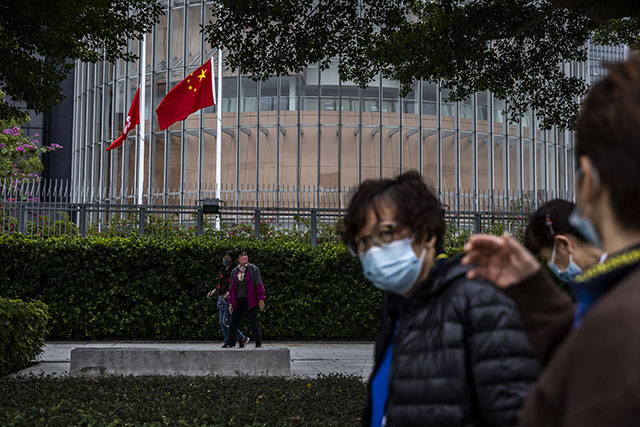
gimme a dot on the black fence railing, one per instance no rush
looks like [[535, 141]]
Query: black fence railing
[[52, 208], [314, 225]]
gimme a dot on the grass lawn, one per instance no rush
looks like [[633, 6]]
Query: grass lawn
[[191, 401]]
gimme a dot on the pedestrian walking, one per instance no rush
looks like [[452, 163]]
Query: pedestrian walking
[[246, 296], [451, 351], [550, 236], [224, 282], [591, 376]]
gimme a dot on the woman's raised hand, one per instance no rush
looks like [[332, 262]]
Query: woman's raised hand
[[500, 260]]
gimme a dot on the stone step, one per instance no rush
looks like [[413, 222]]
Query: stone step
[[99, 361]]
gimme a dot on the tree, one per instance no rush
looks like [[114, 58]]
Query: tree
[[40, 39], [513, 48]]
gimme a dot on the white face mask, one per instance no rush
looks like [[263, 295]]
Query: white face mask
[[393, 267]]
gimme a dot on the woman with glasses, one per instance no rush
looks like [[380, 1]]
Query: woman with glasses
[[451, 350]]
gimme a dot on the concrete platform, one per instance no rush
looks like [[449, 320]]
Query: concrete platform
[[308, 359], [100, 361]]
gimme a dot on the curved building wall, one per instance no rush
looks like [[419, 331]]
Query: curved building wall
[[301, 138]]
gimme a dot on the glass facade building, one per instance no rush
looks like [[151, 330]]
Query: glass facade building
[[304, 136], [599, 56]]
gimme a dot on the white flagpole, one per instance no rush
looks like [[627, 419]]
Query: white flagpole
[[143, 74], [218, 131]]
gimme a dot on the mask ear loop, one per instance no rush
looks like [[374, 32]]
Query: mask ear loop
[[579, 176], [549, 224], [553, 252]]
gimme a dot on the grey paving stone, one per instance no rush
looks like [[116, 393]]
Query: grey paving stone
[[308, 359]]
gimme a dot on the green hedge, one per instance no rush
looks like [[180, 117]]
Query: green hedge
[[143, 288], [140, 288], [182, 401], [23, 326]]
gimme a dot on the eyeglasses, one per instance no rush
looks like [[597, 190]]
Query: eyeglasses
[[381, 235]]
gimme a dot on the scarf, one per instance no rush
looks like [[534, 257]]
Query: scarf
[[596, 281], [241, 270]]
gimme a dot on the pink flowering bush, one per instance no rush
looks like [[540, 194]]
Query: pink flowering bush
[[20, 155]]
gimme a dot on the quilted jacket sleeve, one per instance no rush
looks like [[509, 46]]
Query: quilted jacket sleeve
[[502, 363]]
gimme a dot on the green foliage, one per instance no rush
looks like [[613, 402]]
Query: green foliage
[[215, 401], [145, 288], [40, 41], [159, 225], [512, 48], [23, 326]]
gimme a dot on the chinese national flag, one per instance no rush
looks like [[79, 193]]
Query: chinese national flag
[[190, 95], [133, 118]]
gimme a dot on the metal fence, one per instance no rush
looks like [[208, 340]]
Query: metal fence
[[50, 208]]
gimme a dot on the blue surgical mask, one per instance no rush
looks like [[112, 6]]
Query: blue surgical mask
[[568, 275], [585, 228], [226, 262], [393, 267]]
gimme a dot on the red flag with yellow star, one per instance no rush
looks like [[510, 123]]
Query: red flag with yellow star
[[190, 95]]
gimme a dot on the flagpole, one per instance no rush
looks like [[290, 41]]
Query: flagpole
[[142, 81], [218, 131]]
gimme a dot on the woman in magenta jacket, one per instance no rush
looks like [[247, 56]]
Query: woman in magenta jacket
[[246, 296]]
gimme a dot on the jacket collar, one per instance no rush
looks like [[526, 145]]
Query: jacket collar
[[441, 275]]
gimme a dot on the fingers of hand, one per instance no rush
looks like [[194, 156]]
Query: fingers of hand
[[480, 257], [483, 242]]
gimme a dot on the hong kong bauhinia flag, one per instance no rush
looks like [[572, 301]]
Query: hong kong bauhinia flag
[[190, 95], [133, 118]]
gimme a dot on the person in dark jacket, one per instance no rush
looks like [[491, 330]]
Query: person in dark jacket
[[451, 351], [550, 235], [224, 282], [591, 374], [246, 296]]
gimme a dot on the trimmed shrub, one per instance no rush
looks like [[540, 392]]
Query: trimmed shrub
[[23, 326], [215, 401], [143, 288]]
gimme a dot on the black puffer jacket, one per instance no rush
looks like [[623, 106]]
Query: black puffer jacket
[[460, 356]]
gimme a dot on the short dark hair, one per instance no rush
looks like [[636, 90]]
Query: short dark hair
[[241, 251], [231, 254], [548, 221], [415, 205], [607, 133]]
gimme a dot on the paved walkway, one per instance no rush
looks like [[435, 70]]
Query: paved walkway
[[308, 359]]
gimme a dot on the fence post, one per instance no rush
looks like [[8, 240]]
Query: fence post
[[22, 214], [143, 219], [200, 220], [83, 220], [477, 222], [257, 224], [312, 228]]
